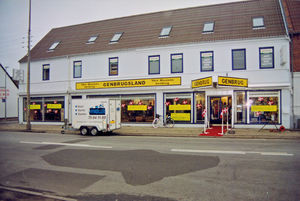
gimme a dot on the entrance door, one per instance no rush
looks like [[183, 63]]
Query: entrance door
[[216, 106]]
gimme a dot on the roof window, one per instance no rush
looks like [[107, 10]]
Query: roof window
[[258, 22], [208, 27], [165, 32], [116, 37], [54, 45], [92, 39]]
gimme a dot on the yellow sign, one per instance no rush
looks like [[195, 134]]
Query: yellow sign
[[137, 107], [54, 106], [179, 107], [181, 116], [167, 81], [264, 108], [35, 107], [204, 82], [232, 81]]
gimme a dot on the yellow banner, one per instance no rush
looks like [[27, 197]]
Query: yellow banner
[[181, 116], [179, 107], [168, 81], [204, 82], [54, 106], [137, 107], [232, 81], [264, 108], [35, 107]]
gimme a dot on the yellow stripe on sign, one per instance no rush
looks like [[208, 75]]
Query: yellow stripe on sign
[[54, 106], [232, 81], [181, 116], [179, 107], [137, 107], [168, 81], [264, 108], [35, 107], [204, 82]]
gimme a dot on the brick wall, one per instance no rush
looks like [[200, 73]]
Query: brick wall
[[296, 52]]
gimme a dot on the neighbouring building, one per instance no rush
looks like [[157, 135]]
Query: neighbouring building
[[180, 63], [8, 95]]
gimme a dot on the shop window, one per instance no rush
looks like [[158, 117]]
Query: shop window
[[207, 61], [46, 72], [240, 107], [45, 109], [77, 69], [137, 108], [113, 66], [176, 63], [178, 106], [154, 64], [264, 107], [200, 106], [239, 59], [266, 57]]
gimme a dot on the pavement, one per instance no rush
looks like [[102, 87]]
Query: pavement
[[246, 133]]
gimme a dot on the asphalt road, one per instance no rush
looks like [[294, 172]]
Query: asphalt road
[[74, 167]]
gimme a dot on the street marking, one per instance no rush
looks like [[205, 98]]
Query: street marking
[[67, 144], [233, 152], [37, 193]]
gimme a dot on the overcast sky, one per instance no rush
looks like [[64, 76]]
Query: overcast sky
[[48, 14]]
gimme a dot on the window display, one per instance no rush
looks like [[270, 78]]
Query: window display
[[200, 107], [240, 107], [178, 106]]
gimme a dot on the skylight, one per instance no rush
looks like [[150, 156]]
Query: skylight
[[116, 37], [258, 22], [165, 31], [208, 27], [92, 39], [53, 46]]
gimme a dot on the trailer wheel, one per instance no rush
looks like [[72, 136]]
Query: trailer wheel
[[84, 130], [94, 131]]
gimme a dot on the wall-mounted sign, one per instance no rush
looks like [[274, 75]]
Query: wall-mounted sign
[[137, 107], [232, 81], [264, 108], [179, 107], [151, 82], [204, 82]]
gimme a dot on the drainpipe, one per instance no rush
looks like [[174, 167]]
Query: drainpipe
[[290, 39]]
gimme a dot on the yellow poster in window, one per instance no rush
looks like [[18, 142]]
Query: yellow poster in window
[[35, 107], [181, 116], [264, 108], [179, 107], [54, 106], [137, 107]]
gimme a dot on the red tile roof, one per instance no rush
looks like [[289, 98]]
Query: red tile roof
[[292, 13], [232, 21]]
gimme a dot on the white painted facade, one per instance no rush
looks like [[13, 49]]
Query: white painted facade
[[11, 103], [133, 64]]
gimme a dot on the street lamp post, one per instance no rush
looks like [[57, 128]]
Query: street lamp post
[[5, 95], [28, 125]]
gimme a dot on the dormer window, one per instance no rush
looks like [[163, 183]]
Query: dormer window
[[208, 27], [53, 46], [258, 22], [165, 32], [116, 37], [92, 39]]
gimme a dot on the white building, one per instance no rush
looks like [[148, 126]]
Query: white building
[[8, 95], [156, 64]]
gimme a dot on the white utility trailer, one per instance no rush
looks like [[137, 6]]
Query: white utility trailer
[[92, 116]]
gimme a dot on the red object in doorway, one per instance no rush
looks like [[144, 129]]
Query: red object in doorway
[[214, 131]]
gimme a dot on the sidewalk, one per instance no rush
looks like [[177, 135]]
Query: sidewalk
[[162, 132]]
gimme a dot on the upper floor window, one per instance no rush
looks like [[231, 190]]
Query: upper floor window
[[116, 37], [53, 46], [258, 22], [239, 59], [165, 31], [207, 61], [46, 72], [77, 69], [154, 64], [177, 63], [92, 39], [266, 57], [208, 27], [113, 66]]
